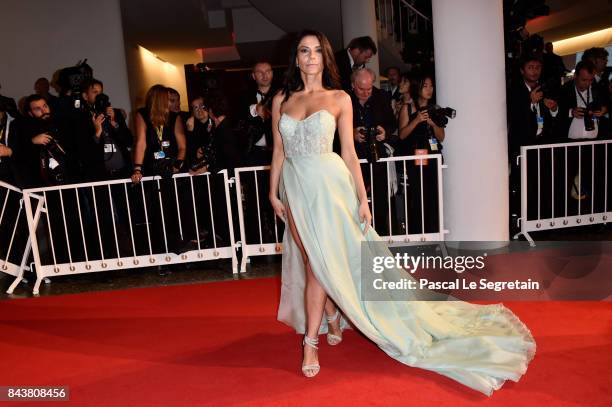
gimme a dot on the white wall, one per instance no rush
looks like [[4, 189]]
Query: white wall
[[146, 69], [42, 36]]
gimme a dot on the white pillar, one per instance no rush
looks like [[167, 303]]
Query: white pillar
[[359, 20], [470, 77]]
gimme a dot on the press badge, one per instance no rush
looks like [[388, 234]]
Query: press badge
[[158, 155], [53, 164], [540, 123], [433, 144], [109, 148]]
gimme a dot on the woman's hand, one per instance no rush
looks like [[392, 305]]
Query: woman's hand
[[422, 116], [136, 176], [279, 208], [365, 215]]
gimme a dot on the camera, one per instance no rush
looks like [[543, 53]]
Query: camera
[[589, 120], [370, 133], [199, 163], [54, 158], [439, 115], [164, 167], [101, 104], [73, 78]]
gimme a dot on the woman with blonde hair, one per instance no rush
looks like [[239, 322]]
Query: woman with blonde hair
[[160, 143]]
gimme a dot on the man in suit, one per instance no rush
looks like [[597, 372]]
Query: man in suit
[[532, 119], [532, 114], [355, 56], [257, 117]]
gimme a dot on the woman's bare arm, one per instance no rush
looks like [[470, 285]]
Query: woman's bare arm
[[140, 141], [347, 144], [278, 157]]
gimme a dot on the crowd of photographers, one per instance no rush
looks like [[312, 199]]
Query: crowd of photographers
[[79, 136], [547, 107]]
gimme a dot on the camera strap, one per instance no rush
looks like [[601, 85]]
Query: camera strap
[[586, 102]]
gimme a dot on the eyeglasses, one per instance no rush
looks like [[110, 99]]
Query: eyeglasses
[[200, 107]]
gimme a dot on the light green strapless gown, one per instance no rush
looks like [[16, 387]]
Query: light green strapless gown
[[480, 346]]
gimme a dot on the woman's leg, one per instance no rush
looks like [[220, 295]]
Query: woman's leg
[[314, 295]]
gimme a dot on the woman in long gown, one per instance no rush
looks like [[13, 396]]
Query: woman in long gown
[[321, 197]]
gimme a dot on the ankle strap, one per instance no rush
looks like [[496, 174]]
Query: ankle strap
[[333, 317], [311, 341]]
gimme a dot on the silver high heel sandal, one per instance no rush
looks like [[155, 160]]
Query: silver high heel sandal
[[331, 338], [313, 369]]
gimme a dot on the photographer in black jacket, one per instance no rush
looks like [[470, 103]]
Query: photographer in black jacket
[[45, 158], [103, 138], [532, 119], [373, 124]]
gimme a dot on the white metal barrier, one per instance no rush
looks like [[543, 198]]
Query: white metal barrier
[[397, 222], [13, 228], [107, 225], [563, 185], [86, 222]]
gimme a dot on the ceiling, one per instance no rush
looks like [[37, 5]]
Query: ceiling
[[569, 18], [177, 31]]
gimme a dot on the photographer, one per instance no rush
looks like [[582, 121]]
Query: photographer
[[373, 118], [581, 106], [373, 123], [160, 149], [160, 145], [532, 112], [199, 128], [532, 119], [420, 134], [45, 159], [103, 139], [6, 152]]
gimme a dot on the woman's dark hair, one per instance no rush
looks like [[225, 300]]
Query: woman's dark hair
[[407, 76], [417, 83], [293, 78]]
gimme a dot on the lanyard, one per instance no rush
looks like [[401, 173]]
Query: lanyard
[[160, 132], [586, 102]]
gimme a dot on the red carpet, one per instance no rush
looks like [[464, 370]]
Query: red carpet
[[220, 344]]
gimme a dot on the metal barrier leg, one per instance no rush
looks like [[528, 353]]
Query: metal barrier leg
[[22, 267]]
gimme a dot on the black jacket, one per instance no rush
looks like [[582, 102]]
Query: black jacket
[[90, 150], [375, 112], [567, 102], [344, 68], [251, 128], [522, 120]]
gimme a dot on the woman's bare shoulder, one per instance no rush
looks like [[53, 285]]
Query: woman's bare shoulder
[[340, 97]]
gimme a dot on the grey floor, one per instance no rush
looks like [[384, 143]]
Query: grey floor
[[218, 270]]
